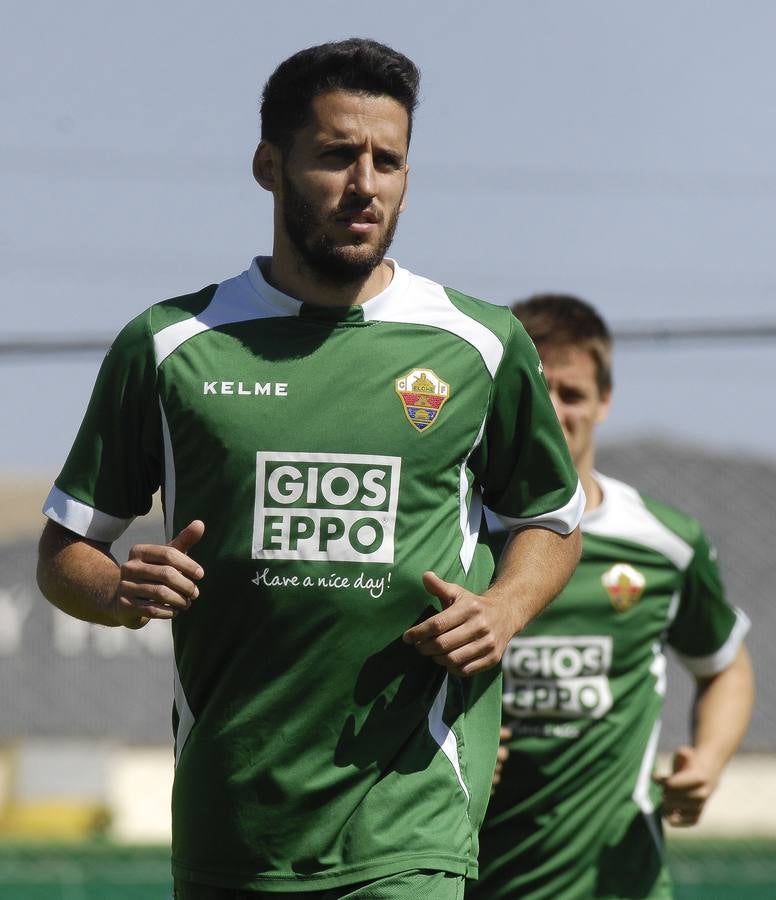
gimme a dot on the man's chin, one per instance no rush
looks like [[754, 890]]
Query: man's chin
[[344, 263]]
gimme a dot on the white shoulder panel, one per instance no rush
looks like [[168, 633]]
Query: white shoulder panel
[[418, 301], [623, 516], [239, 299]]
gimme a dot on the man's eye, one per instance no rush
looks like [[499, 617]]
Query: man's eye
[[387, 161], [338, 153]]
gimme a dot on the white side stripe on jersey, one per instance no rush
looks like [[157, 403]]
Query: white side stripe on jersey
[[562, 521], [470, 518], [82, 518], [169, 477], [443, 734], [186, 718], [641, 792]]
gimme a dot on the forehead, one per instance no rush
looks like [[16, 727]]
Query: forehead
[[352, 116], [567, 361]]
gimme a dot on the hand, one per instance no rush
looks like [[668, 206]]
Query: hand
[[157, 581], [501, 757], [468, 636], [687, 789]]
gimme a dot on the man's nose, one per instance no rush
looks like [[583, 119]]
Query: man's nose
[[364, 180]]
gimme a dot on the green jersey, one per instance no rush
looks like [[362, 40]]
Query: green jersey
[[576, 815], [334, 456]]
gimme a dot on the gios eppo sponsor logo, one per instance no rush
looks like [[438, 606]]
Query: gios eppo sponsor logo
[[557, 677], [337, 507]]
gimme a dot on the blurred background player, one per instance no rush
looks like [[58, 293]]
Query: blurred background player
[[576, 811]]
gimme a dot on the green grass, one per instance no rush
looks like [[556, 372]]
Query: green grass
[[723, 869], [702, 870]]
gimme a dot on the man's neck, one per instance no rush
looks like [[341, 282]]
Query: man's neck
[[593, 494], [291, 276]]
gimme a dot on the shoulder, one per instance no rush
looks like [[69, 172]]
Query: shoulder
[[142, 329], [681, 523], [628, 515], [495, 317]]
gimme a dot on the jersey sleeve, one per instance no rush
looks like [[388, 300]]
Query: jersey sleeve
[[707, 631], [525, 468], [114, 466]]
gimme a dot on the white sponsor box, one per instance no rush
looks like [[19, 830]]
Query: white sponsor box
[[558, 677], [337, 507]]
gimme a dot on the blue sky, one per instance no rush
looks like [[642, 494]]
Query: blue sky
[[621, 151]]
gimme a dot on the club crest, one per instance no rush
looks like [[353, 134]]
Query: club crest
[[423, 394], [624, 585]]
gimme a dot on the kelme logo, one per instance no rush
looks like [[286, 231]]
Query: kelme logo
[[423, 394], [624, 585], [325, 506]]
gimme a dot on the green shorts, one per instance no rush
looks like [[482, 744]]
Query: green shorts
[[419, 884]]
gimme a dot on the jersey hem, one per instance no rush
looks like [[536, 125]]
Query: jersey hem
[[287, 882]]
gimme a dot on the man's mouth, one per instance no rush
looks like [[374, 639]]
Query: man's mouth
[[359, 221]]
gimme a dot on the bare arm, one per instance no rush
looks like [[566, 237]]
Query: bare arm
[[81, 577], [721, 714], [471, 632]]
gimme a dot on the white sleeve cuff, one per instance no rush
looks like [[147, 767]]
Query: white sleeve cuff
[[563, 520], [83, 519], [714, 663]]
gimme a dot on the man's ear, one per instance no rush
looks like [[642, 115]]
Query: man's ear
[[604, 406], [266, 165], [403, 203]]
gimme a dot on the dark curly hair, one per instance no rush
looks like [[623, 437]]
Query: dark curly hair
[[357, 64]]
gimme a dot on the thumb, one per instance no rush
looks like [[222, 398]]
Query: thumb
[[682, 758], [442, 590], [188, 536]]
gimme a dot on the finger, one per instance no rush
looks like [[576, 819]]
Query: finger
[[165, 555], [505, 733], [451, 632], [140, 572], [475, 657], [435, 626], [187, 537], [445, 591], [151, 592], [683, 757], [135, 612], [681, 818], [678, 800], [684, 780]]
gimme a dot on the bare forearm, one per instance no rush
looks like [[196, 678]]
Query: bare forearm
[[723, 708], [77, 576], [534, 568]]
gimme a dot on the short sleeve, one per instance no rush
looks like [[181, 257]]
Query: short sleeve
[[114, 466], [706, 631], [524, 465]]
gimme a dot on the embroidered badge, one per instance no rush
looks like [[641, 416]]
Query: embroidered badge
[[624, 585], [423, 394]]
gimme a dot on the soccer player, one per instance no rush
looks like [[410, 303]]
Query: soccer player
[[324, 428], [576, 813]]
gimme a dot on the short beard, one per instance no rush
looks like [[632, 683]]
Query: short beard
[[332, 263]]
